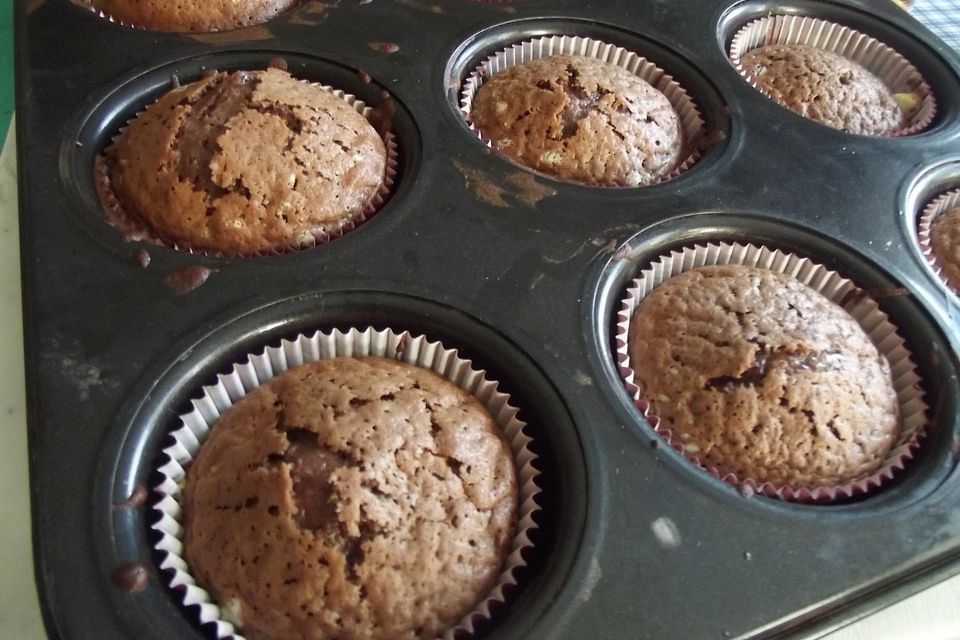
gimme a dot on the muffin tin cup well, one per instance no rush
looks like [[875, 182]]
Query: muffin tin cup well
[[895, 71], [691, 120], [257, 369], [835, 288], [134, 230], [939, 205]]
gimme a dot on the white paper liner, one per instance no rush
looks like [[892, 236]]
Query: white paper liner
[[939, 205], [895, 71], [88, 5], [136, 231], [835, 288], [257, 369], [691, 121]]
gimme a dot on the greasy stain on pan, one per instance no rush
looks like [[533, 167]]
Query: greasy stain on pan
[[109, 112], [928, 62], [475, 49], [141, 430], [931, 350]]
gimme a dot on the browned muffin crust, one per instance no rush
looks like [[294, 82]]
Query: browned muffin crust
[[246, 162], [191, 15], [348, 499], [761, 376], [945, 245], [581, 120], [825, 87]]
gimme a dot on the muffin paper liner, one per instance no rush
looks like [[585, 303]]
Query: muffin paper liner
[[852, 299], [687, 111], [939, 205], [103, 15], [257, 369], [895, 71], [135, 230]]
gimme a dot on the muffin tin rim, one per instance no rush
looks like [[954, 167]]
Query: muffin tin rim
[[731, 18], [127, 447], [490, 37], [601, 297], [921, 187]]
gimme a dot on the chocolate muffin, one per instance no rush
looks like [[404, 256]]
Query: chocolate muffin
[[825, 87], [761, 376], [945, 245], [191, 15], [243, 163], [351, 498], [581, 120]]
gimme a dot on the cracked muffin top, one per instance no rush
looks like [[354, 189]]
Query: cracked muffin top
[[351, 498], [192, 15], [243, 163], [761, 376], [825, 87], [581, 120], [945, 244]]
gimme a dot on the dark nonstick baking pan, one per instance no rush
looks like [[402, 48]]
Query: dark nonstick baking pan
[[521, 273]]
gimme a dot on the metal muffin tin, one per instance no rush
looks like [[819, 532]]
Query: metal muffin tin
[[522, 275]]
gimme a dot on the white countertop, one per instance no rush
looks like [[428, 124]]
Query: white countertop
[[19, 610], [933, 614]]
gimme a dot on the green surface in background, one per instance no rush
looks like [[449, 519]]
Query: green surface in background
[[6, 66]]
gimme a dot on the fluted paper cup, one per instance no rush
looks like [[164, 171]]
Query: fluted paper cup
[[949, 275], [691, 121], [895, 71], [864, 310], [135, 230], [257, 369], [91, 5]]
